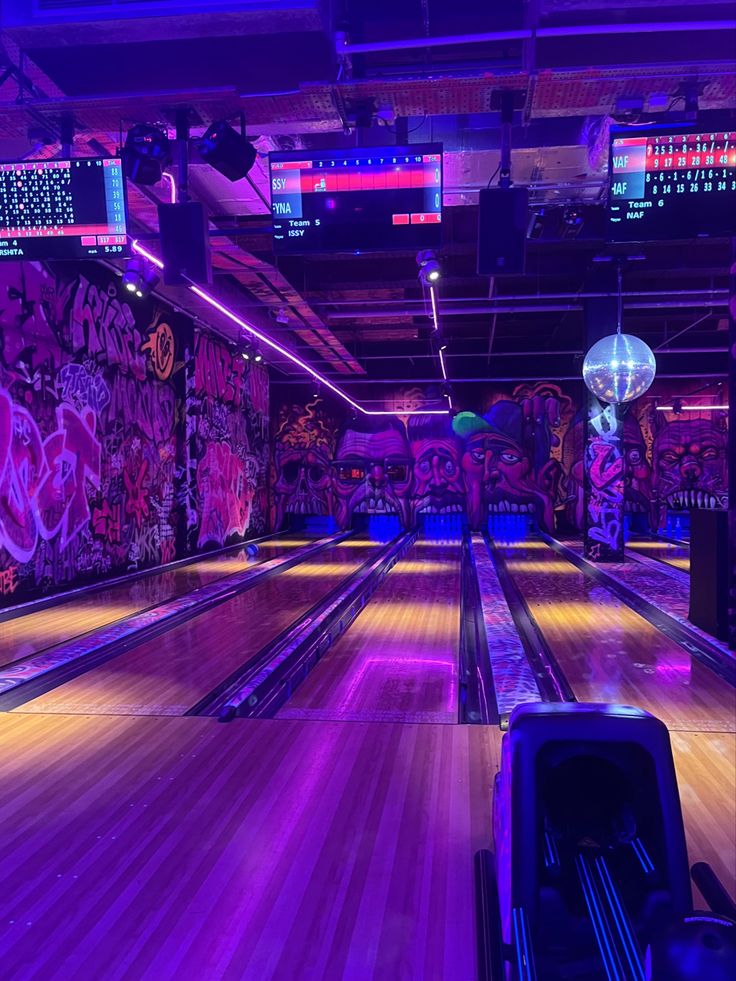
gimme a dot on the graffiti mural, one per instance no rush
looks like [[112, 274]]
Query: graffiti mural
[[229, 440], [514, 450], [94, 476], [604, 473], [438, 480]]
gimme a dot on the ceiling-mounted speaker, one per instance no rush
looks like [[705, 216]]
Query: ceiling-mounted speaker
[[185, 244], [502, 226]]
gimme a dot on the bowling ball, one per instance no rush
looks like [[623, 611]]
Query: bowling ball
[[700, 946], [251, 550]]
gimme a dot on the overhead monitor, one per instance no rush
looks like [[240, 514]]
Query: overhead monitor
[[368, 199], [63, 209], [671, 183]]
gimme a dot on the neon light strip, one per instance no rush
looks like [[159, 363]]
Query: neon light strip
[[433, 298], [442, 361], [285, 352], [690, 408], [170, 178]]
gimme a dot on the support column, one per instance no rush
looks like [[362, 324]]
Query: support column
[[603, 486], [732, 449]]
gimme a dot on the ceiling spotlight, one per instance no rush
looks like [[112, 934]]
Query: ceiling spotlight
[[226, 150], [429, 269], [140, 277], [146, 152]]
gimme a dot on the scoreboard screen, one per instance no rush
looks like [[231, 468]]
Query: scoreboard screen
[[677, 184], [366, 199], [62, 209]]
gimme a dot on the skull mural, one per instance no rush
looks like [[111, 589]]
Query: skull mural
[[506, 460], [372, 470], [438, 480], [690, 464], [304, 444]]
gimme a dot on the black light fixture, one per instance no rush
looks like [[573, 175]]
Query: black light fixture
[[146, 152], [228, 151], [429, 269], [140, 277]]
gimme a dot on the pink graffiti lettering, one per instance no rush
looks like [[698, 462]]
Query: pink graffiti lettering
[[217, 372], [137, 502], [107, 522], [225, 493], [8, 580], [43, 488]]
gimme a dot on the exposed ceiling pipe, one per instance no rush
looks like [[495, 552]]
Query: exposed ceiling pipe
[[452, 311], [529, 34], [528, 354], [506, 298], [485, 379]]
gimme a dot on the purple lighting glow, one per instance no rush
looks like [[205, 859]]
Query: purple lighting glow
[[285, 352]]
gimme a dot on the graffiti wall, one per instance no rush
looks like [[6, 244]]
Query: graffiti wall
[[109, 412], [510, 450]]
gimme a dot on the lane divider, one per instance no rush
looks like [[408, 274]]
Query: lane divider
[[25, 680], [264, 687], [639, 597], [513, 678]]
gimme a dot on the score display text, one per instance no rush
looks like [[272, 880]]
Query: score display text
[[366, 199], [63, 209], [674, 185]]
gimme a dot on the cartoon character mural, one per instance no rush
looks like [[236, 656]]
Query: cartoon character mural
[[304, 445], [438, 479], [523, 454], [507, 462], [96, 415], [372, 469]]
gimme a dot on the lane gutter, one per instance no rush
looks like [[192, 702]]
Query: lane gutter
[[724, 665], [269, 680], [551, 681], [24, 680]]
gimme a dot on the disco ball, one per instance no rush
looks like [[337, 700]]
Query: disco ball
[[619, 368]]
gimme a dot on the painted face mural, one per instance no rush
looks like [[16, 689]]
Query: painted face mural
[[506, 461], [637, 471], [303, 449], [690, 468], [438, 480], [372, 472]]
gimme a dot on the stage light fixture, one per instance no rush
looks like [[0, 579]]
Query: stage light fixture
[[146, 152], [430, 270], [227, 151], [140, 277]]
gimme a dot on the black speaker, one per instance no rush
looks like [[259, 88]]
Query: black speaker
[[502, 223], [709, 571], [185, 246]]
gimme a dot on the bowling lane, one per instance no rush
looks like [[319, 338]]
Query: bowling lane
[[33, 632], [677, 556], [398, 662], [611, 654], [170, 673]]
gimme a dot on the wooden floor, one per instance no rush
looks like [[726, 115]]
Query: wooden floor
[[706, 774], [609, 653], [170, 673], [677, 556], [144, 848], [33, 632], [399, 660]]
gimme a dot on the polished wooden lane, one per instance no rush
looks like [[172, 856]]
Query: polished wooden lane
[[706, 773], [611, 654], [35, 631], [678, 556], [170, 673], [399, 659], [152, 849]]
